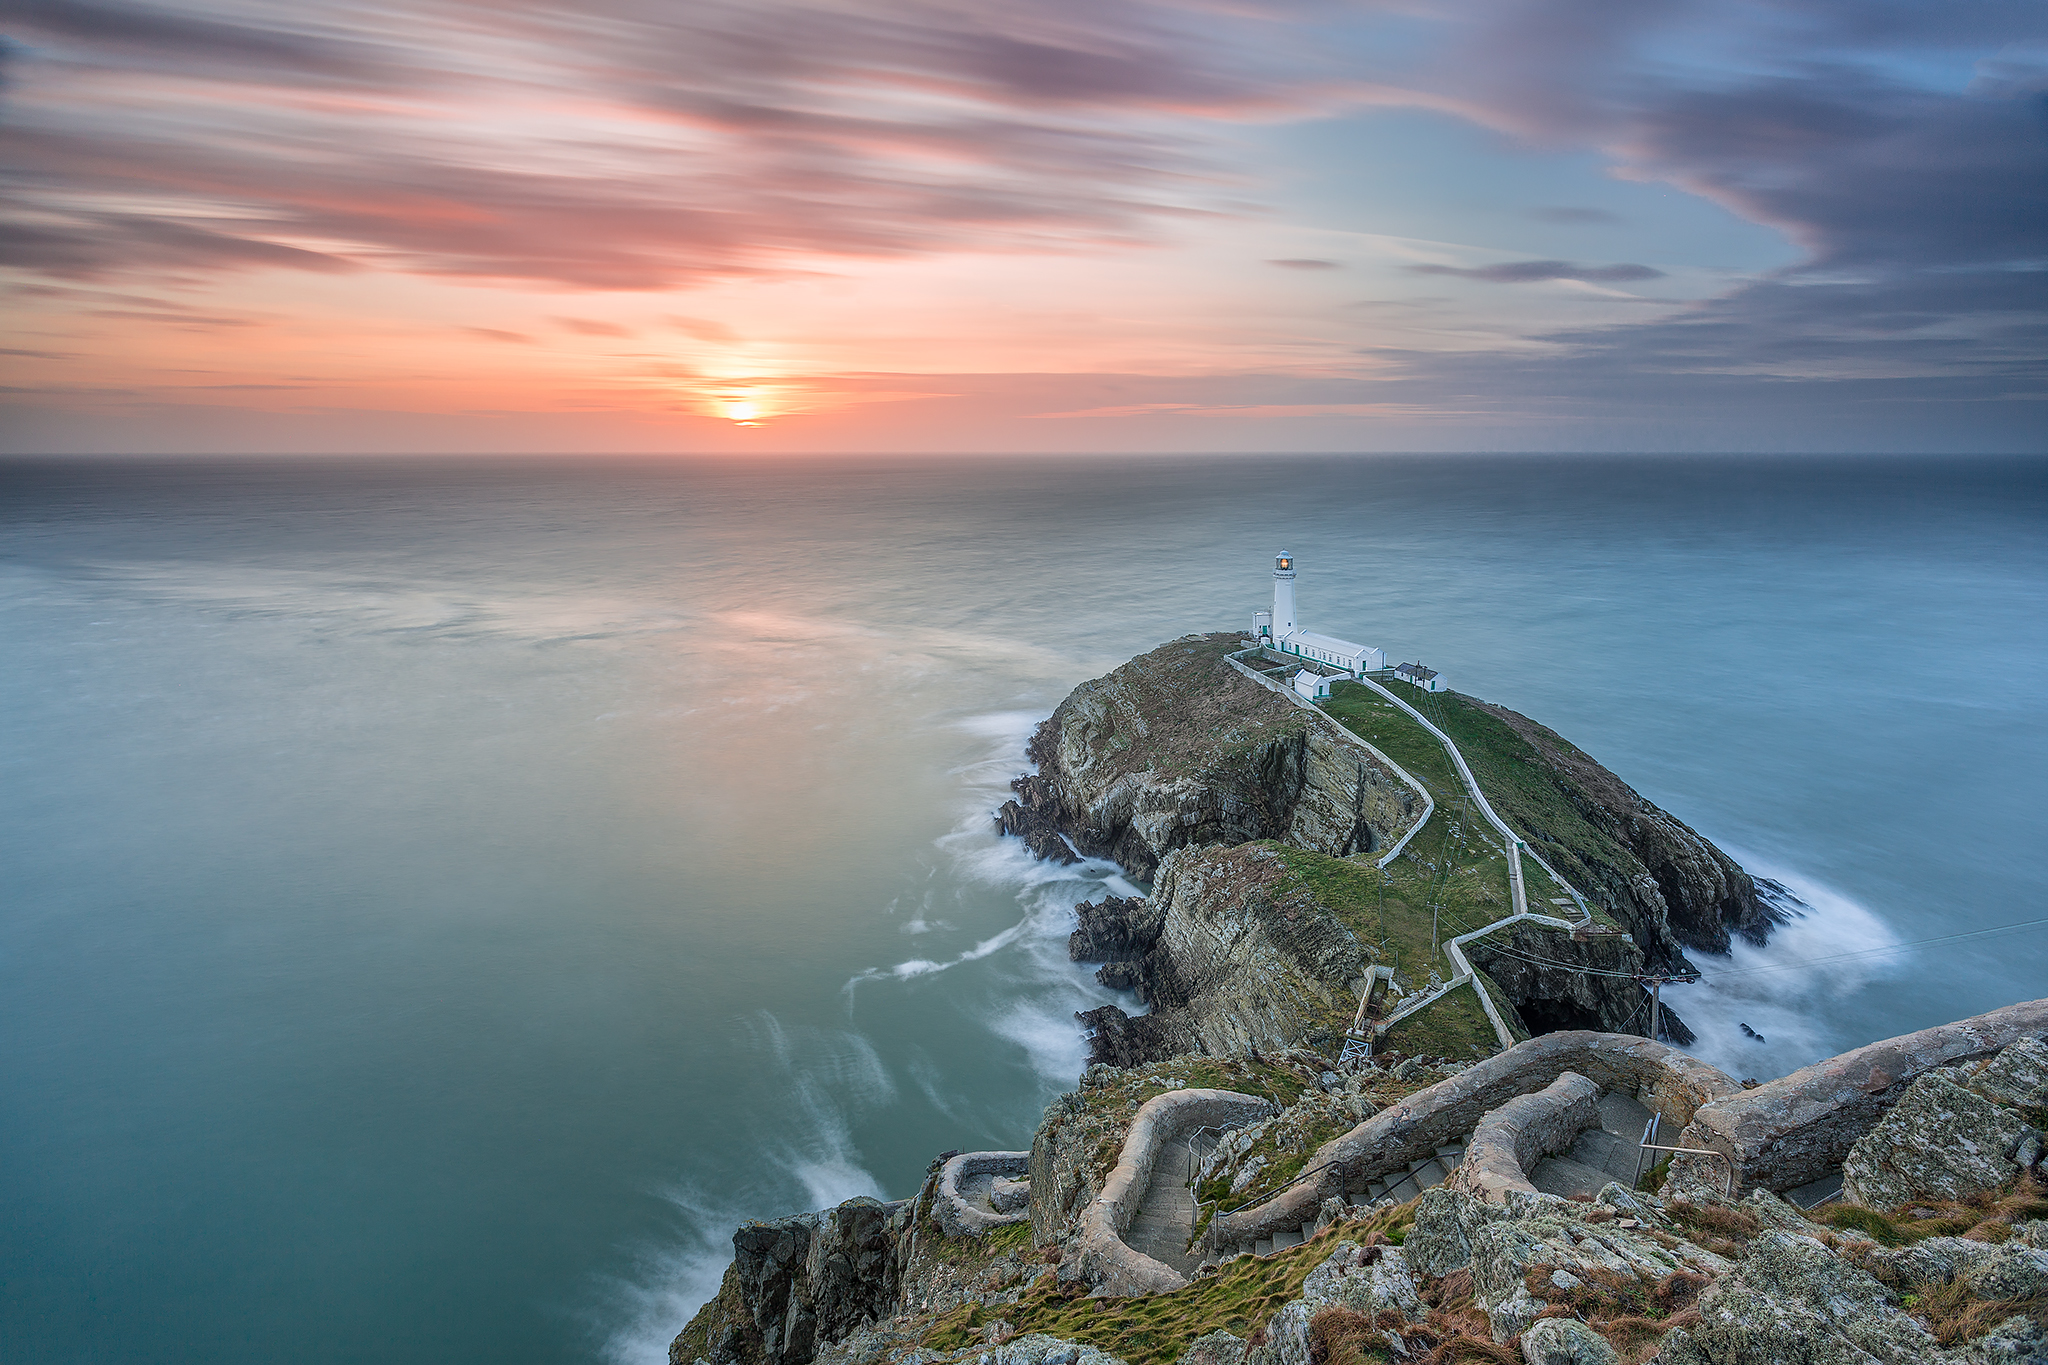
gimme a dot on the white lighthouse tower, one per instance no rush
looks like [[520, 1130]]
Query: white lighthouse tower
[[1278, 630], [1284, 623]]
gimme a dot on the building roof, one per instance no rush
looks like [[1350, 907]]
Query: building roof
[[1415, 671], [1329, 644]]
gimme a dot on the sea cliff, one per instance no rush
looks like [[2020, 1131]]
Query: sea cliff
[[1228, 1185]]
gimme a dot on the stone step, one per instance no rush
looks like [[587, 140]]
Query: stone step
[[1563, 1176], [1450, 1155], [1427, 1174], [1263, 1247], [1816, 1192], [1287, 1237], [1403, 1188], [1609, 1152], [1624, 1117]]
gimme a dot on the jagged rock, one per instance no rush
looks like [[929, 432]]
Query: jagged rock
[[1440, 1240], [2032, 1233], [1368, 1280], [1039, 1349], [1566, 1341], [2010, 1272], [2017, 1075], [1243, 959], [1215, 1348], [1939, 1141], [1792, 1300], [1115, 929]]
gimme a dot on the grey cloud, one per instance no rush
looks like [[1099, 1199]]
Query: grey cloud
[[1526, 272], [1306, 263], [160, 32]]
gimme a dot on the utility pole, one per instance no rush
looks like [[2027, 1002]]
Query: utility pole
[[1656, 985]]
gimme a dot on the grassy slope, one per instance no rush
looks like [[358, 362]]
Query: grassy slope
[[1523, 790]]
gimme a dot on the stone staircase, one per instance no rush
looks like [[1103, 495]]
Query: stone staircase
[[1399, 1186], [1165, 1221], [1601, 1154]]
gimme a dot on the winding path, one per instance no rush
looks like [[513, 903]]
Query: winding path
[[1515, 850]]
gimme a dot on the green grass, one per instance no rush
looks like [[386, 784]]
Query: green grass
[[1451, 1026], [1155, 1329], [1384, 726], [1530, 793]]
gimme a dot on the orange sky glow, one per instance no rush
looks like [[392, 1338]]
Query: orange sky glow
[[880, 226]]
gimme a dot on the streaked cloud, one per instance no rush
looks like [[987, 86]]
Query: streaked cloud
[[1525, 272], [454, 207]]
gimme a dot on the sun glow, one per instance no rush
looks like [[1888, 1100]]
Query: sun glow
[[742, 411]]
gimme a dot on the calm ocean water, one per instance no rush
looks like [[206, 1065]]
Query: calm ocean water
[[443, 896]]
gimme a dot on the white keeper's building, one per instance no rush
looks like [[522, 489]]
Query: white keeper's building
[[1279, 631]]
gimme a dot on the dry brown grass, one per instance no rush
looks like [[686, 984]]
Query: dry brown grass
[[1955, 1315]]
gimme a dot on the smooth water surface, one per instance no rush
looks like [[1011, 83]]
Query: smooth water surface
[[442, 897]]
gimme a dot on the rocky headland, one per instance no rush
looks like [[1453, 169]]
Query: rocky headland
[[1227, 1186]]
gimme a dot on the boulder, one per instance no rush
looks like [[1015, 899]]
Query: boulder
[[1040, 1349], [1503, 1254], [1367, 1280], [1940, 1141], [2018, 1075], [1566, 1341], [1216, 1348], [1441, 1239], [2009, 1272], [1792, 1300], [1008, 1196]]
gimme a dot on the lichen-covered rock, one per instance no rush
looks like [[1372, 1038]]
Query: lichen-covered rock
[[1037, 1348], [1932, 1261], [1566, 1341], [1505, 1252], [1940, 1141], [1368, 1280], [2017, 1075], [2009, 1272], [1214, 1348], [1793, 1302], [1440, 1240]]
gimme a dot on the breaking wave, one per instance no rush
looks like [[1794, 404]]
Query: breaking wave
[[1762, 1012]]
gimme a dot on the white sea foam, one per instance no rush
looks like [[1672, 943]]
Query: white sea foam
[[804, 1159], [1770, 990]]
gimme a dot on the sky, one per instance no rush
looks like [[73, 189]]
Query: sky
[[1040, 225]]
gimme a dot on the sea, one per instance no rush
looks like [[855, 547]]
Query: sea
[[441, 897]]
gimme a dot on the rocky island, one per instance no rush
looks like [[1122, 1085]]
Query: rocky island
[[1384, 1105]]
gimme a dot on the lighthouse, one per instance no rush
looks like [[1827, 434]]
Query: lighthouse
[[1283, 596], [1278, 630]]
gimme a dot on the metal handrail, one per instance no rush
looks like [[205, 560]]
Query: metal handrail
[[1646, 1145]]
